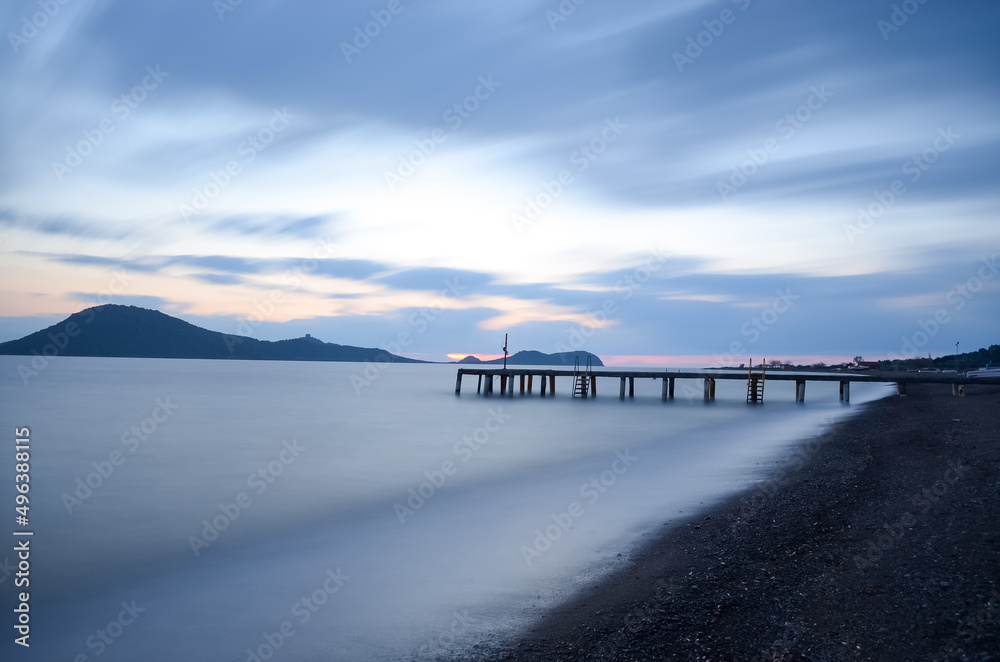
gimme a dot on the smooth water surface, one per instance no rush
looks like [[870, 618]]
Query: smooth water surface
[[375, 519]]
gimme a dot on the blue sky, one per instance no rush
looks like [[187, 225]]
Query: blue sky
[[644, 180]]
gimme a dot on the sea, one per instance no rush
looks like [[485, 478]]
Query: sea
[[254, 510]]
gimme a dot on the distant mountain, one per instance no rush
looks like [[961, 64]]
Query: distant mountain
[[129, 331], [531, 357], [470, 359]]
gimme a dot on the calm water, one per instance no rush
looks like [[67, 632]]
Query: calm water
[[305, 485]]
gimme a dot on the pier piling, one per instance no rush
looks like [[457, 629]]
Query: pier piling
[[486, 379]]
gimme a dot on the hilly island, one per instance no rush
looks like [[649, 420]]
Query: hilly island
[[114, 330]]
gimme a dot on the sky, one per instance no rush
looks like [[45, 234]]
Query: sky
[[680, 182]]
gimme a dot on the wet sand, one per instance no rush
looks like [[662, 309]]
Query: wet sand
[[879, 540]]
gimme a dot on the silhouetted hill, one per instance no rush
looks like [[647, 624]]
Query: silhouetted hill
[[531, 357], [470, 359], [129, 331]]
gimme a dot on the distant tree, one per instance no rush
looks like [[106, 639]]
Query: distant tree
[[858, 359]]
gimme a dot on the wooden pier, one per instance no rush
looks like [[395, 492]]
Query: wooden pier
[[584, 383]]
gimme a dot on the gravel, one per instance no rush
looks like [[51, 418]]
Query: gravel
[[879, 540]]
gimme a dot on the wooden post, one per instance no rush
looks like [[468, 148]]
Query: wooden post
[[709, 389], [593, 385], [845, 391], [530, 376], [670, 394], [489, 385], [552, 384], [458, 383], [479, 386], [900, 388], [712, 389], [800, 390], [503, 384], [542, 387], [666, 387], [631, 387], [510, 386], [621, 391], [522, 383]]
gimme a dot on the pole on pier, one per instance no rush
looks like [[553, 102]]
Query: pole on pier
[[510, 386], [505, 351], [458, 383], [845, 391], [621, 391], [489, 385], [522, 383], [631, 387], [663, 394], [593, 386], [479, 386], [709, 389], [542, 387], [503, 384], [529, 382], [671, 393], [552, 384], [800, 390], [900, 388]]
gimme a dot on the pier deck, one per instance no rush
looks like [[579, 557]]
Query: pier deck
[[522, 378]]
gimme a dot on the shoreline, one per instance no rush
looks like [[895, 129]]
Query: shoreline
[[876, 540]]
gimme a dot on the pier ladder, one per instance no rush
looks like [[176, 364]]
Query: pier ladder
[[755, 384], [582, 381]]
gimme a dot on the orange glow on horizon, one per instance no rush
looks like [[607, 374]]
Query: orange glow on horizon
[[481, 357]]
